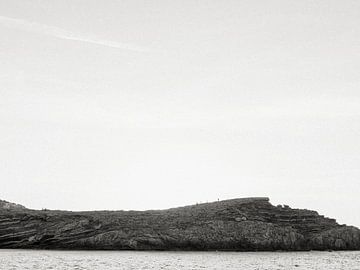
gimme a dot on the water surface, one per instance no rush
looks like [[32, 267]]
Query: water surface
[[104, 260]]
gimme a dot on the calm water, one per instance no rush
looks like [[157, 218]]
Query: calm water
[[92, 260]]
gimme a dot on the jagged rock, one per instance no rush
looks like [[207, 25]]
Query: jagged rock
[[239, 224]]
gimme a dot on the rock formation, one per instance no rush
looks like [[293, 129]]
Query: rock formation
[[247, 224], [9, 205]]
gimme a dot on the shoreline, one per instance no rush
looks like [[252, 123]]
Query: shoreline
[[239, 225]]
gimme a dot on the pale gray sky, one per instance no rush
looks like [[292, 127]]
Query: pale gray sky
[[152, 104]]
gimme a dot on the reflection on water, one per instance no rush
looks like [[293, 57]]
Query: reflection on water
[[92, 260]]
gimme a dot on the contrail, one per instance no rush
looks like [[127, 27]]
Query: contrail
[[64, 34]]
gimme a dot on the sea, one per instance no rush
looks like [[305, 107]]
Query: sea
[[137, 260]]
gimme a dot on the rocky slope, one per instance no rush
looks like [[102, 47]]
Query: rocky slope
[[239, 224], [9, 205]]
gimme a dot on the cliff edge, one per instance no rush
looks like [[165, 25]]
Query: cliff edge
[[248, 224]]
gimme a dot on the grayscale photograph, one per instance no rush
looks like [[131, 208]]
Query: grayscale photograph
[[179, 134]]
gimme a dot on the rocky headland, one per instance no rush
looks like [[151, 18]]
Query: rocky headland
[[248, 224]]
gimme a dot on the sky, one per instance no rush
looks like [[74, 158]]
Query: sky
[[128, 104]]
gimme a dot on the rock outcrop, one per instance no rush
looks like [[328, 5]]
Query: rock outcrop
[[248, 224], [9, 205]]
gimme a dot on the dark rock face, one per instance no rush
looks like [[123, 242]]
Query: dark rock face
[[241, 224]]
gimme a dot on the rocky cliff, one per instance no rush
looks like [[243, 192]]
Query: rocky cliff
[[240, 224]]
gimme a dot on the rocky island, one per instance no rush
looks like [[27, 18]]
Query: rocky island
[[248, 224]]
